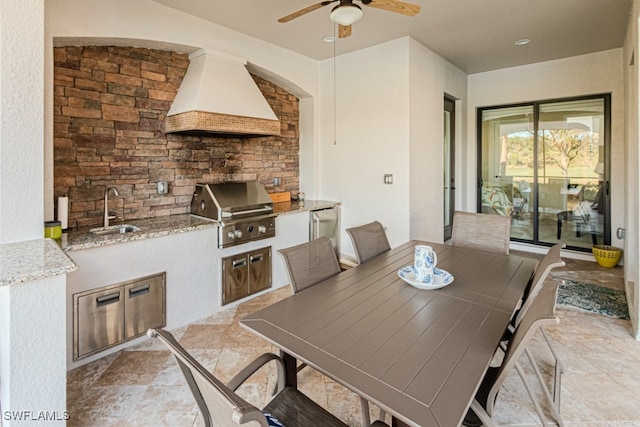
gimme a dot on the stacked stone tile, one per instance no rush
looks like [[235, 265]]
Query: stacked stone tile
[[109, 109]]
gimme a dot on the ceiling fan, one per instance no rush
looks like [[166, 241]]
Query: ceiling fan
[[347, 12]]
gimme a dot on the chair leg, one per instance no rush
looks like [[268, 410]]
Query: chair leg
[[482, 414], [541, 415], [366, 420], [559, 370]]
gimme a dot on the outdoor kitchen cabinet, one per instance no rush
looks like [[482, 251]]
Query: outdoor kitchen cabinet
[[113, 314], [245, 274]]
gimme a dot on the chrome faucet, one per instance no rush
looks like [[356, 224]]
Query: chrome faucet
[[106, 204]]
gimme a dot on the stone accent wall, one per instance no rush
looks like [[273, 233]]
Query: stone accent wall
[[109, 109]]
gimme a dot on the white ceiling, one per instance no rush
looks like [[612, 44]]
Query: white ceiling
[[474, 35]]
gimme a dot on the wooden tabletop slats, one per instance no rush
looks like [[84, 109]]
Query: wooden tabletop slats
[[420, 336], [443, 345], [468, 374], [418, 354], [372, 345]]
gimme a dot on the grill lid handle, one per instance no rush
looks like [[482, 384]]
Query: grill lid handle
[[248, 211]]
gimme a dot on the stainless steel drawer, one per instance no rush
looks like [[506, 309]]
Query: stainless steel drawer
[[259, 270], [245, 274], [144, 306], [235, 270], [113, 314], [99, 320]]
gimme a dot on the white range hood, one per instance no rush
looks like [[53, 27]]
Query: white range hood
[[219, 95]]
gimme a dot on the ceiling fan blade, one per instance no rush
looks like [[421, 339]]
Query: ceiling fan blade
[[344, 31], [396, 6], [305, 10]]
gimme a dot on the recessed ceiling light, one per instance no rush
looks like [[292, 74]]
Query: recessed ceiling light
[[328, 39], [522, 42]]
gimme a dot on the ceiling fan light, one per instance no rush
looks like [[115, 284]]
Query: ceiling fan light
[[346, 14]]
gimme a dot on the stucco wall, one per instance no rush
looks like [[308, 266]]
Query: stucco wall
[[632, 176], [367, 137], [430, 78], [21, 106], [388, 119]]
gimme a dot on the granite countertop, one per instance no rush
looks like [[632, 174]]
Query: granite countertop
[[283, 208], [32, 260], [82, 238], [37, 259]]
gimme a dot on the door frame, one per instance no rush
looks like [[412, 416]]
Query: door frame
[[606, 97], [450, 107]]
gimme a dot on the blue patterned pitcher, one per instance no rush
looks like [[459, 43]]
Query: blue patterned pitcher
[[424, 261]]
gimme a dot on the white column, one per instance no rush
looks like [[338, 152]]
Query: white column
[[33, 370], [21, 119]]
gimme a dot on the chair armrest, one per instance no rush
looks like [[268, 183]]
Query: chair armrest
[[252, 367]]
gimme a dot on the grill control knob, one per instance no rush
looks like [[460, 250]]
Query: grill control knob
[[262, 229], [231, 234], [238, 234]]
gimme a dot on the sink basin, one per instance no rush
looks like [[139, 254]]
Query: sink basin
[[115, 229]]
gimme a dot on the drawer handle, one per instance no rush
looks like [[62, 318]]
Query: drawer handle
[[139, 290], [239, 263], [108, 299], [256, 258]]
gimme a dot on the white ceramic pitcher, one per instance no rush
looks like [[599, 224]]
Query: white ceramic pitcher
[[425, 260]]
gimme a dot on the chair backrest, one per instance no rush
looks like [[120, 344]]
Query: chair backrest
[[218, 404], [310, 263], [369, 241], [485, 232], [540, 313], [550, 196], [550, 261]]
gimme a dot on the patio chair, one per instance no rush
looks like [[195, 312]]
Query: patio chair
[[309, 264], [541, 312], [369, 241], [486, 232], [221, 406], [550, 261]]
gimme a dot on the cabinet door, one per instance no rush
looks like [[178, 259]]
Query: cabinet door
[[99, 321], [235, 274], [144, 305], [259, 270]]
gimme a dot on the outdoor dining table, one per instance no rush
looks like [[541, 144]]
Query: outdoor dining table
[[418, 354]]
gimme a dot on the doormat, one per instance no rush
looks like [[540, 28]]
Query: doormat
[[594, 298]]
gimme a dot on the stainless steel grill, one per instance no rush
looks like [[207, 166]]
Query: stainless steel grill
[[243, 209]]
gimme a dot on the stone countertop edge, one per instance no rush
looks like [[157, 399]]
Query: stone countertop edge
[[168, 225], [283, 208], [31, 260]]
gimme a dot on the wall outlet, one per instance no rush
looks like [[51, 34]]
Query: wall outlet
[[163, 187]]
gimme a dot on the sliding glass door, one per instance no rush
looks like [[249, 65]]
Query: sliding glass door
[[545, 164]]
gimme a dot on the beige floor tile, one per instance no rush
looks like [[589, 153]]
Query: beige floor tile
[[103, 406], [170, 374], [204, 336], [133, 368], [170, 406]]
